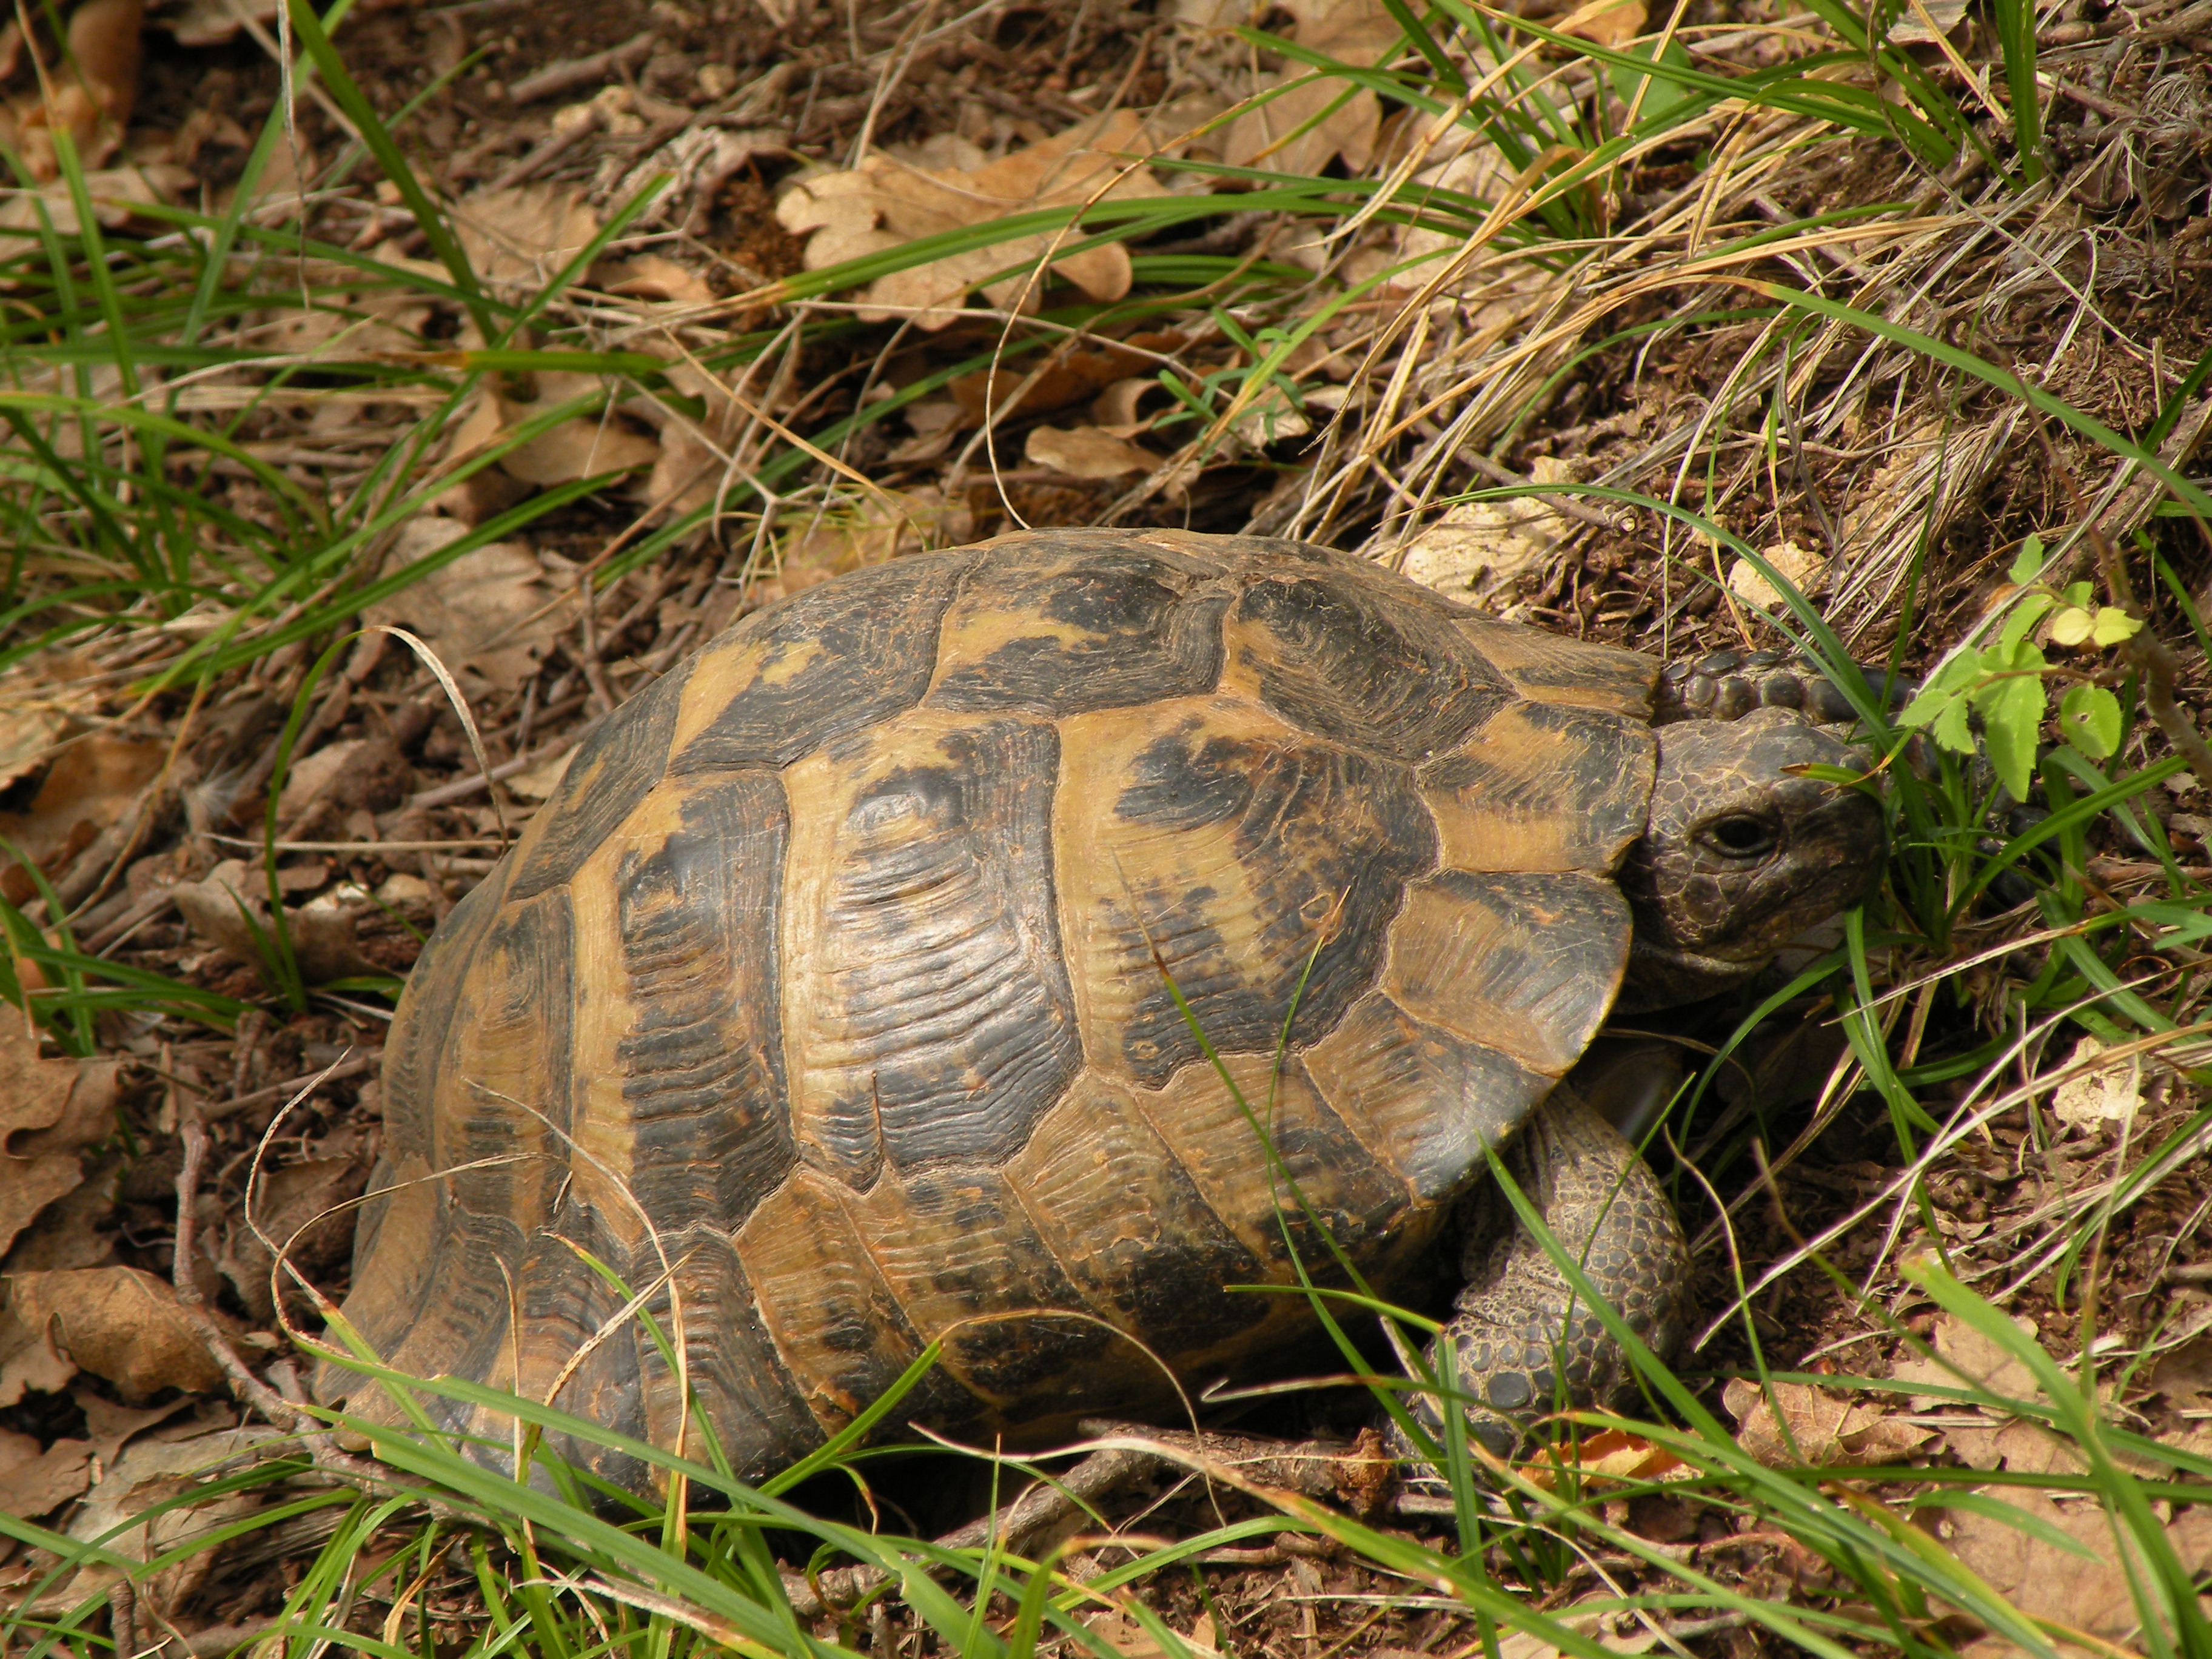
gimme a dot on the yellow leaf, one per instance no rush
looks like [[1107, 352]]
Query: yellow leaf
[[2070, 626], [2112, 626]]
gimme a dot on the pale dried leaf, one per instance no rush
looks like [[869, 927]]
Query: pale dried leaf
[[90, 94], [1269, 136], [657, 277], [886, 202], [2090, 1594], [27, 1359], [2098, 1095], [322, 935], [489, 613], [116, 194], [1820, 1429], [1967, 1351], [155, 1471], [869, 530], [109, 1426], [210, 22], [39, 1484], [40, 1136], [1480, 547], [120, 1323], [1806, 572], [537, 782], [523, 235], [1087, 452], [1608, 23], [90, 783]]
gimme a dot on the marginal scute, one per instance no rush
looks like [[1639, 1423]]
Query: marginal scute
[[564, 1306], [1058, 632], [1431, 1103], [1131, 1228], [461, 1328], [392, 1265], [1270, 1154], [1543, 786], [967, 1266], [825, 1304], [699, 877], [1525, 963], [1255, 865], [1576, 672], [827, 662], [418, 1038], [741, 1390], [503, 1076], [1329, 654], [927, 1011], [611, 772]]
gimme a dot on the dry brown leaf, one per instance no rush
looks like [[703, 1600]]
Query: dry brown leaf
[[27, 1359], [537, 783], [2046, 1582], [1806, 572], [1087, 452], [489, 614], [1480, 547], [2098, 1095], [89, 783], [2184, 1373], [870, 529], [88, 95], [886, 202], [38, 1484], [1610, 1453], [321, 933], [1608, 23], [109, 1426], [41, 1133], [2016, 1444], [578, 448], [519, 237], [1821, 1428], [299, 1196], [657, 277], [1966, 1349], [120, 1323], [210, 22], [150, 1473], [1355, 31]]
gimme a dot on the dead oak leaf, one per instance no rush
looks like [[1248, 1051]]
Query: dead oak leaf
[[41, 1133], [1792, 1425], [522, 236], [1087, 452], [120, 1323], [1966, 1358], [487, 613], [1302, 129], [886, 202], [2084, 1587], [89, 95], [37, 1484]]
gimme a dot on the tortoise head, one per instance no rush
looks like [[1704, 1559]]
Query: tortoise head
[[1739, 854]]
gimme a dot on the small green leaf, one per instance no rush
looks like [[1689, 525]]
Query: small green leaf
[[2029, 564], [2026, 612], [2078, 593], [2012, 720], [1951, 730], [2071, 626], [2114, 625], [2089, 719]]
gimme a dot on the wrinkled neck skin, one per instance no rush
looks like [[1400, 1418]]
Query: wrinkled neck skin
[[1738, 856]]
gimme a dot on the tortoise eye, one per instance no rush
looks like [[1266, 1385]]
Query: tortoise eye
[[1740, 836]]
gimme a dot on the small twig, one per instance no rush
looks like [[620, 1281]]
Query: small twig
[[583, 71], [123, 1617]]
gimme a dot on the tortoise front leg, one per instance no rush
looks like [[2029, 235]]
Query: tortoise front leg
[[1523, 1344]]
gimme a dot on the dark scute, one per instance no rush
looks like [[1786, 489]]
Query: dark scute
[[614, 769], [1357, 1201], [1312, 827], [564, 1305], [876, 631], [1006, 1358], [463, 1327], [1137, 635], [1363, 663], [953, 998], [741, 1386], [702, 1068], [508, 1052], [418, 1038]]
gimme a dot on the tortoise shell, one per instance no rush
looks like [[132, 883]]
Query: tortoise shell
[[827, 1002]]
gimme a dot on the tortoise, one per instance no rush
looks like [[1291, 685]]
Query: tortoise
[[832, 1000]]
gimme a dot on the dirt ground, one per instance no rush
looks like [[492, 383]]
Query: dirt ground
[[391, 824]]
